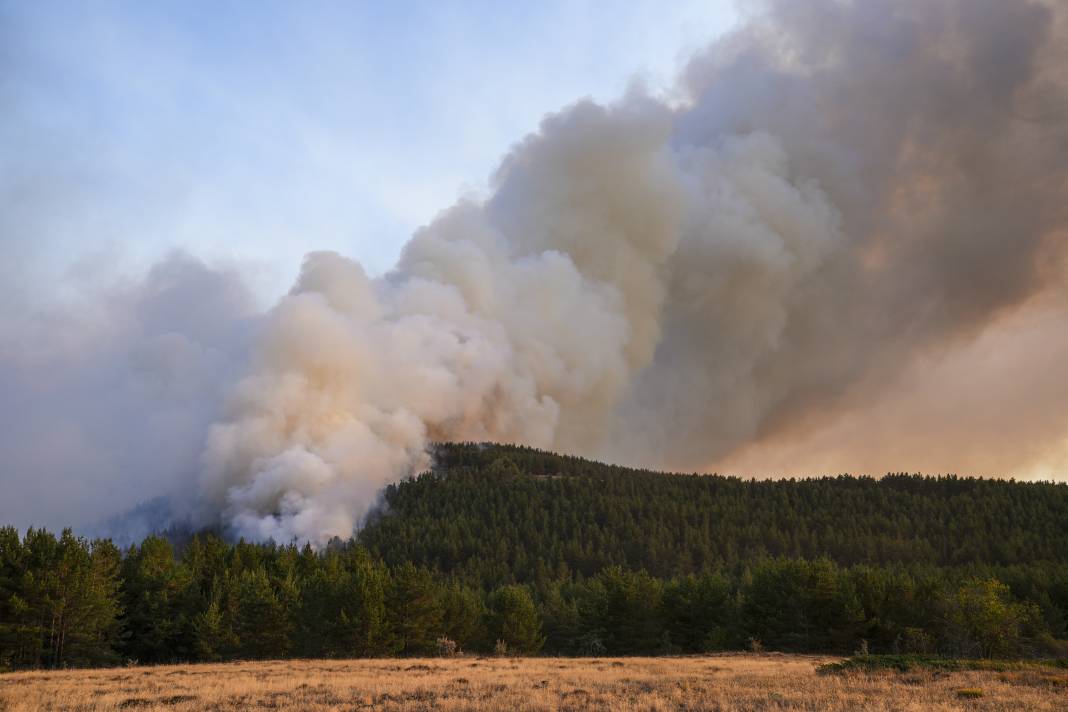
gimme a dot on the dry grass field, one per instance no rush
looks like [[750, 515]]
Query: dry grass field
[[721, 682]]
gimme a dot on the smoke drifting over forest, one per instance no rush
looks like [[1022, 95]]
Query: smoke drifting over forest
[[843, 201]]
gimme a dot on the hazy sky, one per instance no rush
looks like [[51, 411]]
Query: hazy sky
[[130, 128]]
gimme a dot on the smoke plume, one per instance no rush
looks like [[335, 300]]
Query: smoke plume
[[841, 190]]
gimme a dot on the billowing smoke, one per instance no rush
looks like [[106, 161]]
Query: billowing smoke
[[843, 188]]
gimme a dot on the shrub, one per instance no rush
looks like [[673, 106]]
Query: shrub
[[447, 647], [983, 621]]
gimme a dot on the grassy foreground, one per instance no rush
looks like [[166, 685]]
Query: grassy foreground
[[718, 682]]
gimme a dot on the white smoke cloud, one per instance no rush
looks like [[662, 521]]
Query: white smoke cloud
[[849, 184]]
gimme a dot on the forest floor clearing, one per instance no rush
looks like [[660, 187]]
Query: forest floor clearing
[[712, 682]]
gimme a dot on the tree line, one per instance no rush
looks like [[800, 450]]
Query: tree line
[[513, 550], [66, 601]]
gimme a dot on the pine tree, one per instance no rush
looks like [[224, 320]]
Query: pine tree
[[415, 610], [261, 626], [515, 621]]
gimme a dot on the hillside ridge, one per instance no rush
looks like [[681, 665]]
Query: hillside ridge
[[495, 514]]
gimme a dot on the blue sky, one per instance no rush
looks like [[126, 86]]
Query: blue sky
[[254, 132]]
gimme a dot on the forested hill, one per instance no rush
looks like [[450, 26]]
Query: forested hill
[[508, 549], [492, 514]]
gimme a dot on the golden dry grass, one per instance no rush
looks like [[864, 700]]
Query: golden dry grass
[[718, 682]]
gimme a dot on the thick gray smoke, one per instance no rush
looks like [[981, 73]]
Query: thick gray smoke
[[106, 399], [844, 186]]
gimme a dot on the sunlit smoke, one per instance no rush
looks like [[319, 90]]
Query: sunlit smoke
[[846, 186]]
